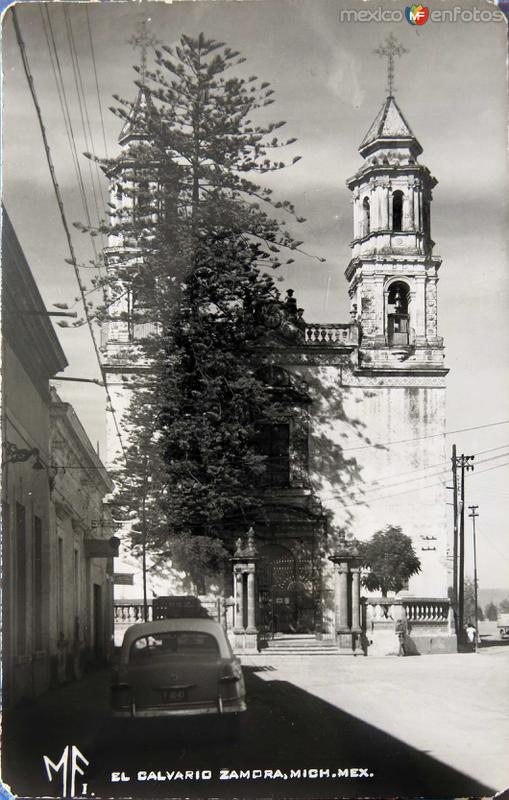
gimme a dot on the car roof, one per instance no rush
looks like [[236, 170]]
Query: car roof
[[197, 625]]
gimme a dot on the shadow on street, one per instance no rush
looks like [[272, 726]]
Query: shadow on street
[[285, 729]]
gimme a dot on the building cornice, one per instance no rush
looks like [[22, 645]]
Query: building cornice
[[26, 324]]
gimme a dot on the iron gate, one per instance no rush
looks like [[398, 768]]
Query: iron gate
[[288, 596]]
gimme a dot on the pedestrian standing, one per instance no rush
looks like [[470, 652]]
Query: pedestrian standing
[[401, 630]]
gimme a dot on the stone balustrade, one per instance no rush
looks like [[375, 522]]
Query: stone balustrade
[[428, 624], [126, 613], [380, 609], [426, 610], [328, 335], [414, 609]]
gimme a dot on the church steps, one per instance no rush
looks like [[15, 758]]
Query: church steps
[[302, 644]]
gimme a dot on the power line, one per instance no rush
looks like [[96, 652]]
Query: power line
[[411, 489], [58, 196], [434, 466], [497, 466], [99, 102], [371, 487], [62, 96], [427, 436], [491, 449], [82, 105]]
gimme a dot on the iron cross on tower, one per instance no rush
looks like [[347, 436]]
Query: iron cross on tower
[[143, 40], [390, 49]]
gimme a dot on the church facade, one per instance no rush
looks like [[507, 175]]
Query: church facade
[[365, 428]]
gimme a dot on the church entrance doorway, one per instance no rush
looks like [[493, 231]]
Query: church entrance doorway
[[288, 592]]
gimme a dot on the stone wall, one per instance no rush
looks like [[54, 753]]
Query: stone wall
[[364, 487]]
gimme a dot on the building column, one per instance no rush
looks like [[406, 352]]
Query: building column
[[356, 600], [411, 218], [342, 625], [417, 207], [418, 309], [239, 600], [379, 308], [385, 208], [347, 599], [251, 626], [244, 563]]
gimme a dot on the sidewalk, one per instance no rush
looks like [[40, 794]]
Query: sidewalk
[[73, 713]]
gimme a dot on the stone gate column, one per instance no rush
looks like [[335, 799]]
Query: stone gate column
[[356, 600], [342, 625], [347, 608], [244, 564], [239, 598], [251, 624]]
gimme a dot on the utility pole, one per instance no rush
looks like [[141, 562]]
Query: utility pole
[[465, 464], [455, 537], [144, 536], [473, 516]]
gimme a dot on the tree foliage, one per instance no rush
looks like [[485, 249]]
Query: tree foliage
[[503, 606], [194, 233], [491, 612], [469, 602], [390, 558]]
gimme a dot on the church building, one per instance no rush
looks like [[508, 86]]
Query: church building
[[366, 423]]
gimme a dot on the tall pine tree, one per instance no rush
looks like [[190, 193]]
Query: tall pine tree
[[198, 234]]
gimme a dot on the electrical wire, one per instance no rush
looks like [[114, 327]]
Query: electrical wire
[[56, 188], [434, 466], [82, 105], [99, 102], [64, 105], [367, 491], [427, 436]]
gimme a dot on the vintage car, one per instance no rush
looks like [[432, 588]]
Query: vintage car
[[503, 626], [177, 667]]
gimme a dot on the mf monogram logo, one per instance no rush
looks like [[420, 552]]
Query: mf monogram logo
[[70, 765]]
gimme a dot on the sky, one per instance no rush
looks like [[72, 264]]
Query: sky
[[329, 85]]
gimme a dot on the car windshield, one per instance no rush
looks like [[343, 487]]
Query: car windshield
[[183, 643]]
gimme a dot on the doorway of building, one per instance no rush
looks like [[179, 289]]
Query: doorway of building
[[288, 592]]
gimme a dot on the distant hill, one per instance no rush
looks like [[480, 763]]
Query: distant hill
[[485, 596]]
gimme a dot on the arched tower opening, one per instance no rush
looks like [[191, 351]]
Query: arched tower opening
[[398, 314], [397, 211], [366, 217]]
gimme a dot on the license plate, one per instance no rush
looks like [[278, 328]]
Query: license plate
[[172, 695]]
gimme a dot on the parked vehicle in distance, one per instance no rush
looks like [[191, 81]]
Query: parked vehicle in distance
[[503, 626], [177, 667]]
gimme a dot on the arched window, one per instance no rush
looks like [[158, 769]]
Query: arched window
[[366, 217], [398, 317], [272, 440], [397, 211]]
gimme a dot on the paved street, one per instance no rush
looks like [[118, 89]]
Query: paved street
[[433, 726]]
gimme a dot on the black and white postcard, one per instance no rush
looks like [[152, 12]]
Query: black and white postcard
[[254, 399]]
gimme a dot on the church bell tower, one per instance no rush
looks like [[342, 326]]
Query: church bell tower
[[132, 182], [393, 273]]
